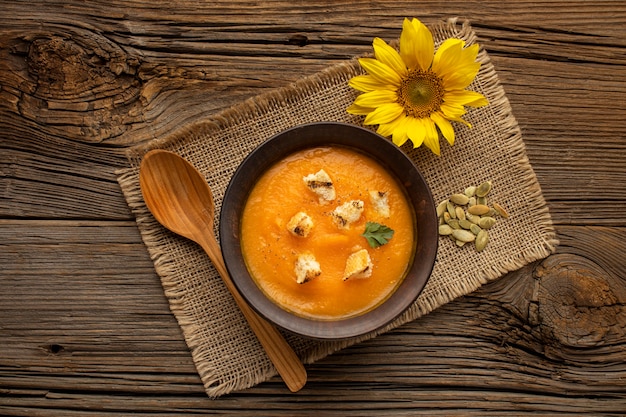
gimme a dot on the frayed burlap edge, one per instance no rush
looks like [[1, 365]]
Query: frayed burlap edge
[[311, 351]]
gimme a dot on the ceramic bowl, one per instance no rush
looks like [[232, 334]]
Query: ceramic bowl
[[386, 154]]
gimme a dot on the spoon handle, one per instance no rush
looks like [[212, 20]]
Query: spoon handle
[[285, 360]]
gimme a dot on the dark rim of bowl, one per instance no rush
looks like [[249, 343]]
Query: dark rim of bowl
[[385, 153]]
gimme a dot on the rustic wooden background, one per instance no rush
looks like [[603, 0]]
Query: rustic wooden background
[[84, 326]]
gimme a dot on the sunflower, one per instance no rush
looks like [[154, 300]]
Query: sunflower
[[416, 94]]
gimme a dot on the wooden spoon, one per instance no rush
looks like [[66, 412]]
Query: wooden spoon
[[181, 200]]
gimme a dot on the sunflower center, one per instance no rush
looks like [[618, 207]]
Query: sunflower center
[[420, 93]]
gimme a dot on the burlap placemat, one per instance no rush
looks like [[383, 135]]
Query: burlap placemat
[[226, 353]]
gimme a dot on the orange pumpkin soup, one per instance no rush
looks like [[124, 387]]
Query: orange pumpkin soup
[[273, 248]]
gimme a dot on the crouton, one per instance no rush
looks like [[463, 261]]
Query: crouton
[[347, 213], [306, 268], [300, 224], [380, 202], [358, 265], [321, 184]]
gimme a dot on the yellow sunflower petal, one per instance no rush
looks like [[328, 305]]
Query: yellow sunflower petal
[[465, 122], [376, 98], [455, 64], [367, 83], [431, 138], [445, 127], [465, 98], [380, 71], [387, 129], [478, 101], [447, 57], [463, 55], [389, 56], [407, 44], [469, 54], [462, 78], [384, 114], [425, 45], [359, 110], [400, 138], [452, 111], [400, 135], [416, 130], [416, 45]]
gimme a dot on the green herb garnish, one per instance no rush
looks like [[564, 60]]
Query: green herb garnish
[[377, 234]]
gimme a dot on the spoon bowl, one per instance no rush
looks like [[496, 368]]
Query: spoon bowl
[[176, 194], [180, 199]]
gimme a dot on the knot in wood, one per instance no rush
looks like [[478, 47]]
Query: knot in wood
[[85, 81], [76, 68], [577, 307]]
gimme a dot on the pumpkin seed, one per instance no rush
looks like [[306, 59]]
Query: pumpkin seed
[[460, 213], [474, 228], [460, 199], [474, 219], [501, 210], [478, 209], [470, 191], [483, 189], [481, 200], [459, 243], [487, 222], [451, 209], [465, 224], [445, 230], [454, 223], [442, 207], [463, 235], [481, 240], [472, 201]]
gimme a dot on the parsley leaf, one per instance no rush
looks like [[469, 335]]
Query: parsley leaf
[[377, 234]]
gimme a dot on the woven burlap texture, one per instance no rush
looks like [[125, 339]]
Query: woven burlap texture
[[226, 353]]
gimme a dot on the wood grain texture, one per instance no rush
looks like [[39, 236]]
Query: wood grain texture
[[84, 325]]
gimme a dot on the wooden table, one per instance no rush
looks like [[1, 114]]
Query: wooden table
[[85, 328]]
